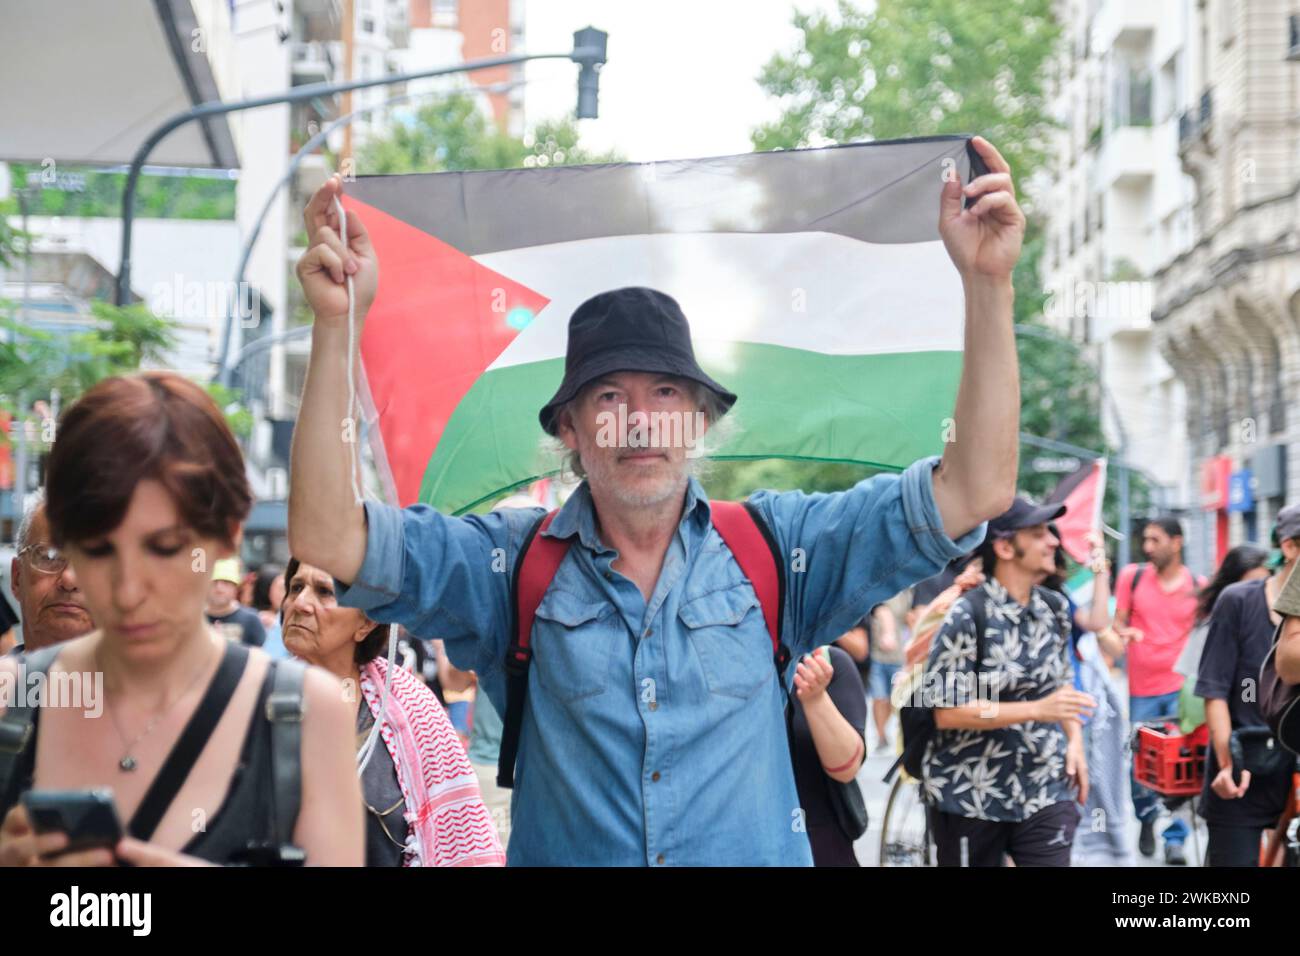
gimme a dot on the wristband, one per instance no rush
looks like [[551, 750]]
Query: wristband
[[857, 752]]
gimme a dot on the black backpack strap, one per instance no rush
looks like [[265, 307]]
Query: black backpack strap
[[17, 729], [979, 620], [516, 667], [1132, 591], [285, 708], [979, 616], [185, 752]]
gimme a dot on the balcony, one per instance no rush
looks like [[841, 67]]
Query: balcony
[[331, 10], [1127, 159], [317, 61], [1129, 23]]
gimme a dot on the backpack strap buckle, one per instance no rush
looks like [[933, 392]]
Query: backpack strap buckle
[[517, 659], [282, 707]]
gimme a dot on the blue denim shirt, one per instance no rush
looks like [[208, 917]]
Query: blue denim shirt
[[654, 731]]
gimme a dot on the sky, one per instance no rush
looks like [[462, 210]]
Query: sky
[[680, 80]]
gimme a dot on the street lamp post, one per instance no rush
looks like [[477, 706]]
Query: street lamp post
[[225, 372], [590, 58]]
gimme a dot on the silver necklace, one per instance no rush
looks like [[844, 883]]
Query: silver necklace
[[127, 762]]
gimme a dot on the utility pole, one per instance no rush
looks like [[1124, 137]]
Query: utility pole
[[349, 28]]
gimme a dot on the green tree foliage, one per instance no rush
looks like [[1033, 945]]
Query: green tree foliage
[[157, 197], [920, 68], [34, 362], [452, 133], [916, 68], [239, 418]]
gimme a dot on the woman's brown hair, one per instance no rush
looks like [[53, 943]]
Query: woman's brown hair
[[128, 429]]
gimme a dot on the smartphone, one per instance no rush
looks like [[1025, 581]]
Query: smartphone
[[88, 817]]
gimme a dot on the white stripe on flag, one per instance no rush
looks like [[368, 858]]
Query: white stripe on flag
[[816, 291]]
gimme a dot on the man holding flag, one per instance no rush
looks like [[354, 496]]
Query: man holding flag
[[654, 732]]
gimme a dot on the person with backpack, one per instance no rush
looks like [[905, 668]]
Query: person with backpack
[[1155, 611], [637, 640], [213, 752], [1005, 763], [1247, 774]]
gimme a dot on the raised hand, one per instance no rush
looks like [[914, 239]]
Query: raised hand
[[325, 266], [983, 240], [813, 675]]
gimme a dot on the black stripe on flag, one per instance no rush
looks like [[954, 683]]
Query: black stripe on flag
[[782, 191]]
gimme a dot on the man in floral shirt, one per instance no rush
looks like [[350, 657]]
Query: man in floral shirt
[[1007, 749]]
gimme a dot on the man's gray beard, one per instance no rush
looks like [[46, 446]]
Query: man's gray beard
[[602, 477]]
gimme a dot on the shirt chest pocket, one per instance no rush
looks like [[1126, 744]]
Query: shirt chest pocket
[[727, 630], [573, 641]]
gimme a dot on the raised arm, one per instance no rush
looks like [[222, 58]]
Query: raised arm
[[834, 704], [327, 527], [977, 479]]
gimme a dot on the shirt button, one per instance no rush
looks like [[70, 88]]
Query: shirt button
[[654, 705], [609, 575], [649, 631], [655, 776], [660, 859]]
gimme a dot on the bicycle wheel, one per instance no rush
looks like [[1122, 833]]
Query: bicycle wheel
[[905, 830]]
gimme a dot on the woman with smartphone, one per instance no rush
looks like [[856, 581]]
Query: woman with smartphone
[[146, 491]]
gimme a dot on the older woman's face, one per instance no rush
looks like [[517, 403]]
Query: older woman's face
[[316, 629]]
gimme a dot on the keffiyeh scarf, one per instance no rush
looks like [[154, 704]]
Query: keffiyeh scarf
[[448, 824]]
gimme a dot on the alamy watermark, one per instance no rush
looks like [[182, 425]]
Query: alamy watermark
[[81, 690], [674, 429], [207, 299]]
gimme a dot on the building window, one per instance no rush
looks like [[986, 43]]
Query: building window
[[1277, 400], [446, 13]]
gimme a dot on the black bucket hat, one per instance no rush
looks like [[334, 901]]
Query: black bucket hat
[[634, 329]]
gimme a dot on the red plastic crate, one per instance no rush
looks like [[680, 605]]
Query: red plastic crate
[[1171, 763]]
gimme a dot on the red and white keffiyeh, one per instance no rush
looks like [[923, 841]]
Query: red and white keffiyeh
[[448, 824]]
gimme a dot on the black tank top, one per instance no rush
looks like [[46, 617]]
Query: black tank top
[[245, 815]]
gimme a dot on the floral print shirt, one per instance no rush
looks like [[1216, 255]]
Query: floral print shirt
[[1008, 773]]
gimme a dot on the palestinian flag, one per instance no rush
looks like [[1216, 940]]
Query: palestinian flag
[[815, 282], [1082, 492]]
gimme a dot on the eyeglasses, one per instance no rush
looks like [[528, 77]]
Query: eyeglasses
[[44, 558]]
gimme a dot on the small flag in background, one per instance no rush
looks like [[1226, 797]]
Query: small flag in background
[[815, 282], [1082, 492]]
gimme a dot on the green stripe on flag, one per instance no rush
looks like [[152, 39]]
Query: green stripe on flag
[[879, 410]]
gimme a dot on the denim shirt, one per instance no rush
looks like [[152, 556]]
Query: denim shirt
[[654, 732]]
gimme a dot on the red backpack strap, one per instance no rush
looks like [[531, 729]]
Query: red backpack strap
[[755, 549], [538, 560]]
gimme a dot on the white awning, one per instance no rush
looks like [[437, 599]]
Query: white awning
[[86, 81]]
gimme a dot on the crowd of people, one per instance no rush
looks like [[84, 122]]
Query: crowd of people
[[1034, 765], [659, 679]]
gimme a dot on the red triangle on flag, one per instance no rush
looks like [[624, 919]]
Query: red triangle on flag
[[1081, 492], [438, 321]]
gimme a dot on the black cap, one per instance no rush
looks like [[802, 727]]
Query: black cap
[[634, 329], [1023, 513]]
